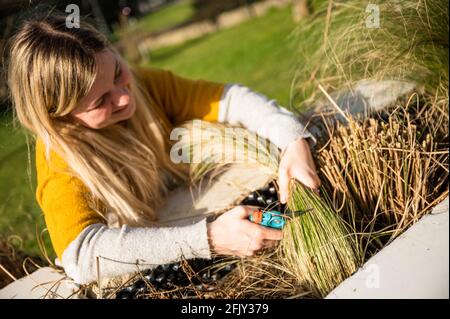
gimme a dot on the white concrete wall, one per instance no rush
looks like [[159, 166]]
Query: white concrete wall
[[415, 265]]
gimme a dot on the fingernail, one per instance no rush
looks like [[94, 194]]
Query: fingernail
[[283, 198]]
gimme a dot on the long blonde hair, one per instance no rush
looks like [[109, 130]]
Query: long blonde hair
[[51, 67]]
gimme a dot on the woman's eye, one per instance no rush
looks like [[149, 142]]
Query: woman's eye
[[98, 104], [118, 72]]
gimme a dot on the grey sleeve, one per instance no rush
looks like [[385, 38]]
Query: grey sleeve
[[129, 249], [240, 105]]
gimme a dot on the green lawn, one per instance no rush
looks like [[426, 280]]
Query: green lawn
[[257, 53], [171, 15], [20, 215]]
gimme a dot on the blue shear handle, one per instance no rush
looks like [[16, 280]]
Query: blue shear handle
[[272, 219]]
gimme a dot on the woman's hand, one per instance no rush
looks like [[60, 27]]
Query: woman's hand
[[233, 234], [297, 162]]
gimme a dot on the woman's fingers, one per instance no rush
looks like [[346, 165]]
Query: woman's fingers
[[270, 243], [283, 183], [297, 162], [241, 212], [259, 233], [259, 246], [272, 234], [232, 233], [306, 176]]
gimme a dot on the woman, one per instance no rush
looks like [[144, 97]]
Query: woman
[[102, 145]]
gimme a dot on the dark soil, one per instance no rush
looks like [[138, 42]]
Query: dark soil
[[15, 262]]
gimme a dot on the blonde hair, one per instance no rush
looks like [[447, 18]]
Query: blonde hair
[[51, 68]]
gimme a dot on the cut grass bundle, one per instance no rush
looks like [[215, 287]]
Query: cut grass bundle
[[317, 246]]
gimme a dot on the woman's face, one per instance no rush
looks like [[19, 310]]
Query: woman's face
[[109, 100]]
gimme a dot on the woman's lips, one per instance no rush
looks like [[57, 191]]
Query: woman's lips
[[122, 109]]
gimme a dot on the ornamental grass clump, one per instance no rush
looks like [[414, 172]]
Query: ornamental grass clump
[[317, 246], [385, 172], [349, 41]]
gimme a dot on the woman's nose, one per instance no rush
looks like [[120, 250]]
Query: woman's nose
[[120, 98]]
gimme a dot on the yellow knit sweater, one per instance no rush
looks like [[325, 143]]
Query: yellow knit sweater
[[62, 197]]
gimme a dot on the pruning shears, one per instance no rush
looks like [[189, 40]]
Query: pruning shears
[[273, 218]]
